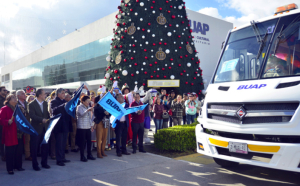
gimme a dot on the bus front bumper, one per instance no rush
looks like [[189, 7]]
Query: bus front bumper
[[283, 156]]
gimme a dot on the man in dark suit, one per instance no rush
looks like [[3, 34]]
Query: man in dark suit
[[62, 127], [23, 105], [39, 115], [121, 130]]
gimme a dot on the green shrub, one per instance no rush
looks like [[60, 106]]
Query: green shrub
[[177, 138]]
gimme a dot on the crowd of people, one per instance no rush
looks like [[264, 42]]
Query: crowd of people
[[90, 129]]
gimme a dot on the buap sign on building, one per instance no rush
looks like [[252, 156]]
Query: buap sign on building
[[197, 27]]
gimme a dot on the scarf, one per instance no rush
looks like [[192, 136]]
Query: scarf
[[19, 133]]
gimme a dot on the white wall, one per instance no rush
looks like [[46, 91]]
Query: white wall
[[209, 54]]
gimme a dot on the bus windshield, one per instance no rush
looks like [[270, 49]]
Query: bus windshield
[[240, 60]]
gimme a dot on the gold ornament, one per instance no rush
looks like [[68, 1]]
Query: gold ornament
[[161, 19], [160, 55], [127, 1], [189, 48], [118, 58], [131, 30]]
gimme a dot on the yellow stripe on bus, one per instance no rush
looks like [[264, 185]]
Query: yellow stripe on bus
[[261, 148], [218, 142]]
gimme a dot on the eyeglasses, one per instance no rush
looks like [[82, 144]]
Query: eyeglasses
[[5, 90]]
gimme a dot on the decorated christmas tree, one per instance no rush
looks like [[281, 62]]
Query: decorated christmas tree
[[153, 41]]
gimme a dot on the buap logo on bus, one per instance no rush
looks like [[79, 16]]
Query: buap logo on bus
[[199, 27], [255, 86]]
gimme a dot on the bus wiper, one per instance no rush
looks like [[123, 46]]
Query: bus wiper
[[259, 39], [262, 44], [256, 31], [277, 40]]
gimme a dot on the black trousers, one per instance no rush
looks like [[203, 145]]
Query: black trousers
[[14, 156], [183, 120], [35, 142], [121, 136], [171, 122], [60, 145], [84, 137], [137, 130]]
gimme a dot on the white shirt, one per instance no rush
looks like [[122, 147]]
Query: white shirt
[[41, 104], [122, 118]]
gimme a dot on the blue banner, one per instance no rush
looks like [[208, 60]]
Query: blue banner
[[72, 104], [52, 123], [22, 123], [111, 105]]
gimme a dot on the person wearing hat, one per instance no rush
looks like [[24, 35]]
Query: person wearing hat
[[191, 109]]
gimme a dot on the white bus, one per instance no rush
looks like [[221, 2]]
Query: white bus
[[251, 110]]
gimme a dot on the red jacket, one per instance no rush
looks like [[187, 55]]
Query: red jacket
[[9, 132], [135, 118]]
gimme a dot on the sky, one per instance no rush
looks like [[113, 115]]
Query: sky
[[26, 25]]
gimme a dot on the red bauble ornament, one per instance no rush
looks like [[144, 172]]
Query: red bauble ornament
[[125, 31], [121, 46], [165, 43], [154, 71], [189, 36], [146, 57], [192, 84], [179, 65], [145, 50], [201, 83], [133, 45], [182, 22], [171, 6], [154, 44], [169, 11], [116, 33], [173, 16], [155, 62], [187, 42], [111, 79], [167, 1], [186, 82], [132, 75], [159, 43], [181, 74], [122, 52], [194, 77], [137, 1], [186, 55], [108, 67], [163, 68], [151, 76], [144, 84], [115, 71], [143, 29], [170, 68], [153, 2], [170, 25], [192, 58], [115, 46], [184, 71], [118, 24], [171, 59], [160, 9], [124, 24], [104, 77], [196, 72], [122, 37], [149, 24], [191, 30], [126, 5], [179, 36], [118, 77], [150, 65], [145, 72], [180, 57], [135, 64], [157, 76], [132, 58], [180, 47], [131, 10], [125, 60], [165, 76], [151, 7]]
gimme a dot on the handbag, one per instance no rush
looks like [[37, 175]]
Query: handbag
[[165, 115], [106, 122], [170, 112]]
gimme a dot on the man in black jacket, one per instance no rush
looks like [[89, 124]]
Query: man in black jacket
[[62, 127], [39, 115]]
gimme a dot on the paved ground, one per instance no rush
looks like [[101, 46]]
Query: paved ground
[[147, 169]]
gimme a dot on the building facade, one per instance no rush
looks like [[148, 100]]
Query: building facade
[[81, 55]]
